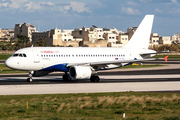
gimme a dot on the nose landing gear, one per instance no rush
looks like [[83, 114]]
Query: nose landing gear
[[29, 79]]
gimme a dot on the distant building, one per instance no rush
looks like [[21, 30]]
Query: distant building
[[124, 38], [165, 40], [67, 35], [111, 37], [6, 34], [52, 37], [24, 29], [175, 38], [81, 34], [154, 39], [131, 31], [95, 34]]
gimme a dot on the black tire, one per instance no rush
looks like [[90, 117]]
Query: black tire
[[29, 79], [94, 79], [66, 77]]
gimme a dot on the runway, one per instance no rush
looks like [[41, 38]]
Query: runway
[[164, 79]]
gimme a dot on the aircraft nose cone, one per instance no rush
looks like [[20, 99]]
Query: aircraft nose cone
[[9, 63]]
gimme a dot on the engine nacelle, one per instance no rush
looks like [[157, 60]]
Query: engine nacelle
[[80, 72], [40, 73]]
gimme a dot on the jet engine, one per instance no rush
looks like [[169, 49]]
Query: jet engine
[[80, 72], [40, 73]]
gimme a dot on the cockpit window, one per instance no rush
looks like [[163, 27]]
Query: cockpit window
[[15, 55], [19, 55], [24, 55]]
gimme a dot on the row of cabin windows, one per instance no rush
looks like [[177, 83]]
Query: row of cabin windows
[[83, 55]]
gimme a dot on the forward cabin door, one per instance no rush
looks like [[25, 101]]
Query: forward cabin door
[[36, 56]]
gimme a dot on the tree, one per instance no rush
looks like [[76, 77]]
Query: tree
[[28, 44], [41, 42], [22, 38], [69, 46]]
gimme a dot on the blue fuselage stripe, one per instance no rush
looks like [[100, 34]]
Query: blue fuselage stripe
[[58, 67]]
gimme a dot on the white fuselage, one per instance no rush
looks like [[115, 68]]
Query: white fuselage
[[41, 58]]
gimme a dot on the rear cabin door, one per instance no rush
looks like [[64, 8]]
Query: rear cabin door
[[36, 56]]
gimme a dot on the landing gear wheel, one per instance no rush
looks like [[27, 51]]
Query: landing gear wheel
[[29, 79], [94, 79], [66, 77]]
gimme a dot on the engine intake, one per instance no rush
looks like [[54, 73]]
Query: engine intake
[[80, 72]]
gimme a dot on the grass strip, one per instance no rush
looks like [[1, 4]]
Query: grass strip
[[170, 56], [4, 56], [88, 106], [6, 70], [140, 66]]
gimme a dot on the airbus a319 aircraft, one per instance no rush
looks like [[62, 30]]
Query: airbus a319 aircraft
[[80, 62]]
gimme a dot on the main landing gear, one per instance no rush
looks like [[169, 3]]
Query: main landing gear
[[29, 79], [66, 77], [94, 78]]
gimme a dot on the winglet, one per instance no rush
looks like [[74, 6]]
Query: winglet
[[165, 58]]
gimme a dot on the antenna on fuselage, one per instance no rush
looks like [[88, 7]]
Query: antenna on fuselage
[[32, 45]]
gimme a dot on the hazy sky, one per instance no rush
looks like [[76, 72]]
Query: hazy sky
[[121, 14]]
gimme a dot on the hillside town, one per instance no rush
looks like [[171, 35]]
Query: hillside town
[[87, 37]]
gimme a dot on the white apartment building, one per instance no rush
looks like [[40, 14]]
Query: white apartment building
[[166, 40], [124, 39], [111, 37], [67, 35], [95, 34], [175, 38], [154, 39]]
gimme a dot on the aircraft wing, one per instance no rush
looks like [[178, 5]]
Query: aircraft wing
[[108, 62]]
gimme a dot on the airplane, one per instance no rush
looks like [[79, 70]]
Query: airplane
[[84, 62]]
